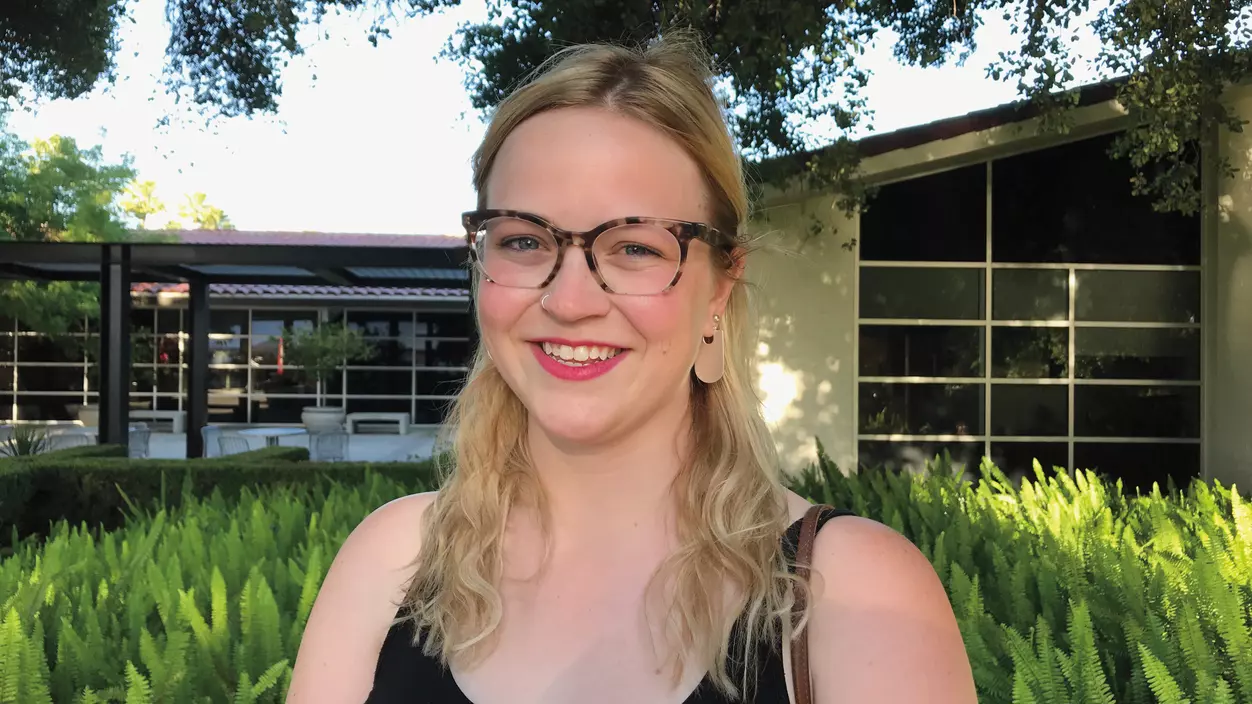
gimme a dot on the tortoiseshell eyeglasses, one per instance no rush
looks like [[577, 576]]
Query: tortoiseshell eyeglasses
[[632, 255]]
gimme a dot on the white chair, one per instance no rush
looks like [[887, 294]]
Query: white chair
[[232, 445], [328, 447], [138, 443], [209, 435]]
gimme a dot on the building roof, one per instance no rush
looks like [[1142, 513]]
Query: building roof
[[302, 291], [334, 239]]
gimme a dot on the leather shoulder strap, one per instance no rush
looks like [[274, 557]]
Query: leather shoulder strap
[[800, 646]]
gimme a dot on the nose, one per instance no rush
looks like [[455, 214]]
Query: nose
[[575, 293]]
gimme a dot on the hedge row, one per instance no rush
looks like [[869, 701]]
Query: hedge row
[[100, 491]]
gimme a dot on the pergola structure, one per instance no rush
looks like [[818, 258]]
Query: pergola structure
[[436, 262]]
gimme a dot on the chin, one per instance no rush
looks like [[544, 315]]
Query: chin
[[576, 423]]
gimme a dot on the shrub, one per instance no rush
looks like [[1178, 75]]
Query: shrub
[[37, 493], [1065, 589]]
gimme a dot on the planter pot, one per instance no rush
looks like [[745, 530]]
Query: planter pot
[[89, 415], [322, 420]]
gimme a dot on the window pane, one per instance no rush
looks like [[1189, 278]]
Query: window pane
[[1138, 296], [6, 407], [1017, 458], [228, 350], [443, 325], [379, 405], [1137, 411], [228, 379], [271, 409], [289, 381], [270, 323], [921, 409], [1029, 409], [142, 321], [142, 379], [167, 380], [7, 378], [1140, 465], [1128, 353], [47, 407], [142, 349], [1030, 294], [167, 403], [168, 351], [375, 323], [67, 349], [1029, 353], [442, 353], [941, 217], [8, 343], [914, 456], [430, 411], [227, 406], [942, 294], [920, 350], [391, 353], [379, 382], [439, 383], [31, 378], [169, 321], [1073, 203], [234, 322]]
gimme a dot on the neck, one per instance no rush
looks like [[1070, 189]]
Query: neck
[[616, 488]]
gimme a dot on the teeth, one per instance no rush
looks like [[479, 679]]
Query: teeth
[[581, 354]]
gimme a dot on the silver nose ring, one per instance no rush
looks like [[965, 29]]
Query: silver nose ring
[[543, 302]]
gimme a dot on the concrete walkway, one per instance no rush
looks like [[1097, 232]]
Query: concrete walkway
[[370, 447]]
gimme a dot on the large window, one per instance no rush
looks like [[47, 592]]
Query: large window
[[419, 367], [1030, 308]]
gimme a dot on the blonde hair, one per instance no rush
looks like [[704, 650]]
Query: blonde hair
[[731, 505]]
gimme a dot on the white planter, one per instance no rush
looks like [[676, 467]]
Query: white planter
[[322, 420], [89, 415]]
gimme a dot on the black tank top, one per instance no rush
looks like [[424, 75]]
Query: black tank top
[[405, 675]]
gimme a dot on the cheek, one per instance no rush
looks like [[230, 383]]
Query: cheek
[[499, 308], [666, 323]]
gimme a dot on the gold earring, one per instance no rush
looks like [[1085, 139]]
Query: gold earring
[[711, 360]]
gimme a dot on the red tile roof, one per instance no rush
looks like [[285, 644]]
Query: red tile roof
[[311, 291], [341, 239]]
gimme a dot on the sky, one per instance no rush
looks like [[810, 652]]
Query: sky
[[378, 139]]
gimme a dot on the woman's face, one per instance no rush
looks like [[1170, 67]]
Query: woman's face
[[578, 168]]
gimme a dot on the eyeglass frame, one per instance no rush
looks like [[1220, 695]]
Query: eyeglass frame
[[684, 231]]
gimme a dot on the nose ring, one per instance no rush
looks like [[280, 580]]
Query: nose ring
[[543, 302]]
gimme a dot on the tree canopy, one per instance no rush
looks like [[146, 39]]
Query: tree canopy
[[787, 64]]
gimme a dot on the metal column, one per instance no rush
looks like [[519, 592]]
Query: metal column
[[115, 345], [197, 352]]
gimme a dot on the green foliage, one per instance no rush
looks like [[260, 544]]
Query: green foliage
[[42, 490], [25, 441], [1065, 589], [202, 215]]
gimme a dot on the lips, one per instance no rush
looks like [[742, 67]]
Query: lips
[[577, 360]]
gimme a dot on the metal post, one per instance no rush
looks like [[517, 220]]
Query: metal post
[[115, 345], [197, 366]]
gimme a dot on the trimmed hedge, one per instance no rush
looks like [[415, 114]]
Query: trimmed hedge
[[101, 491]]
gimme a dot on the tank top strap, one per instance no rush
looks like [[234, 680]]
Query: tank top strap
[[791, 538]]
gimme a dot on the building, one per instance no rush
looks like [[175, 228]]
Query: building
[[1006, 296]]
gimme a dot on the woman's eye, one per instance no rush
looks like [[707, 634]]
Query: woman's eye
[[521, 242], [638, 250]]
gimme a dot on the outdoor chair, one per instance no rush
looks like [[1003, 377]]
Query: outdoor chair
[[328, 447], [209, 435], [232, 445], [138, 443]]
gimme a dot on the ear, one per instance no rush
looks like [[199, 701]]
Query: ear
[[723, 284]]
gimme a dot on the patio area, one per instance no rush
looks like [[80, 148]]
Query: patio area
[[362, 447]]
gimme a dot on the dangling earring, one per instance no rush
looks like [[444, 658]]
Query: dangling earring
[[711, 360]]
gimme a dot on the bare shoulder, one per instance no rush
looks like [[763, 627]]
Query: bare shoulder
[[356, 603], [883, 629]]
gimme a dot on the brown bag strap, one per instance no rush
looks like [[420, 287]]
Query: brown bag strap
[[800, 646]]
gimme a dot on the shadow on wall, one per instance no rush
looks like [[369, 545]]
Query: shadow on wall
[[805, 295]]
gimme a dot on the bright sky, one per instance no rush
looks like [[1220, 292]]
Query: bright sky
[[381, 140]]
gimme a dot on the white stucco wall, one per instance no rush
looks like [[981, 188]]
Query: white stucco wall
[[1228, 383], [806, 357]]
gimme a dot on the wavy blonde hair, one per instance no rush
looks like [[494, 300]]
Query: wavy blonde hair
[[732, 507]]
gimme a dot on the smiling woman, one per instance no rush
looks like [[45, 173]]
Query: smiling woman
[[614, 527]]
